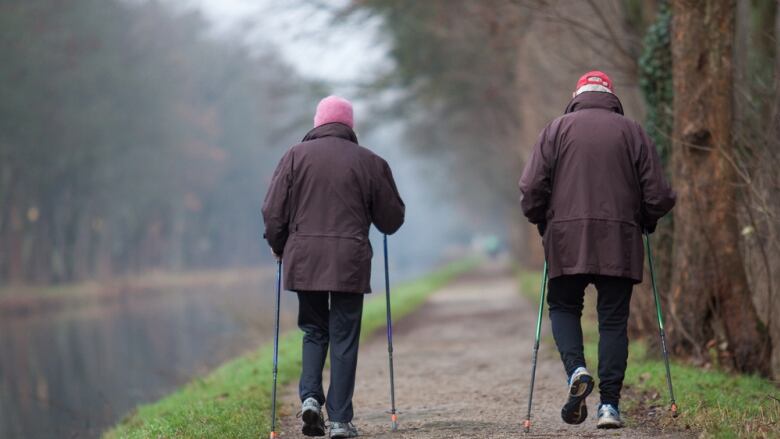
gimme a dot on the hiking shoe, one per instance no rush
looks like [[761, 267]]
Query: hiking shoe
[[609, 417], [342, 429], [575, 411], [313, 422]]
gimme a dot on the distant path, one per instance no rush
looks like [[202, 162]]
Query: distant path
[[462, 369]]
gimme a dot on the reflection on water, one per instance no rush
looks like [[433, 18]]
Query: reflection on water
[[75, 373]]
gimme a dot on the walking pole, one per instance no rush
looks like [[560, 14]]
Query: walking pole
[[393, 416], [276, 346], [661, 325], [527, 423]]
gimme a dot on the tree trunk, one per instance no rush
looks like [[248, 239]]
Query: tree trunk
[[710, 297], [15, 270]]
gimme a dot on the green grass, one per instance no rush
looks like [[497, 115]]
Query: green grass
[[714, 403], [719, 404], [235, 400], [530, 284]]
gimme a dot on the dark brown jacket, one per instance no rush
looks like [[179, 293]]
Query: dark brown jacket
[[324, 195], [594, 178]]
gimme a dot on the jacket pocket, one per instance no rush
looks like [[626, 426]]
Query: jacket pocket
[[327, 261]]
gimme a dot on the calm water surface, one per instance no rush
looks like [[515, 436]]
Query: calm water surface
[[75, 372]]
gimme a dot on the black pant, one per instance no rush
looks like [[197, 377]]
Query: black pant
[[614, 296], [337, 325]]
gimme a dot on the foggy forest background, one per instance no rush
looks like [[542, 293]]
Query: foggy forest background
[[132, 138]]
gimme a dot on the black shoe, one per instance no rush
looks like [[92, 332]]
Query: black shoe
[[575, 411], [313, 422]]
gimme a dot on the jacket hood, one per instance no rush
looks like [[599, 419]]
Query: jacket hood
[[595, 99], [334, 129]]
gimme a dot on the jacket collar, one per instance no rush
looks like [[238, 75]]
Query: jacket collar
[[334, 129], [595, 99]]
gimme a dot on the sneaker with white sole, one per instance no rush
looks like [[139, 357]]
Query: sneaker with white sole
[[342, 430], [313, 421], [575, 411], [609, 417]]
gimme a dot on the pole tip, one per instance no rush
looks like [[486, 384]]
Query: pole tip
[[527, 425], [394, 422], [674, 410], [273, 435]]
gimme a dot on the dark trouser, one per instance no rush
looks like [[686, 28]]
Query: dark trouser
[[614, 296], [337, 325]]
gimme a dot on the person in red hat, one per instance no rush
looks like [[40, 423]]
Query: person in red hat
[[593, 184], [324, 196]]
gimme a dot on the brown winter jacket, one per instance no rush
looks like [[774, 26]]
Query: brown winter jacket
[[324, 195], [594, 180]]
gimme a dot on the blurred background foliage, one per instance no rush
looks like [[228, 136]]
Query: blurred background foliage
[[485, 77], [140, 136], [130, 138]]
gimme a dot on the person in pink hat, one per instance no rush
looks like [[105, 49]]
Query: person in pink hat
[[593, 185], [324, 195]]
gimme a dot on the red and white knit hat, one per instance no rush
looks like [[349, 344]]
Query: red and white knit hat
[[334, 109], [594, 81]]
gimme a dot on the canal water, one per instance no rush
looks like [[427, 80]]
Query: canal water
[[74, 371]]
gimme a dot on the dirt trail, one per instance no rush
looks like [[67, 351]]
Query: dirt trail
[[462, 367]]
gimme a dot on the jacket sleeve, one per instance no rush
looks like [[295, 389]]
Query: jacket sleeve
[[536, 181], [387, 207], [658, 198], [276, 207]]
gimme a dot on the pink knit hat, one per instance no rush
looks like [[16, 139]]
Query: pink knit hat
[[334, 109]]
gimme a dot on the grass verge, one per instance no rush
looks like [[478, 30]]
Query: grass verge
[[234, 400], [713, 403]]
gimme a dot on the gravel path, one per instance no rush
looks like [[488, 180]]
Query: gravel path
[[462, 366]]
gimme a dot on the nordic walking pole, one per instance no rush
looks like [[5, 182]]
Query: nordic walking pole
[[276, 346], [660, 325], [393, 416], [527, 423]]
